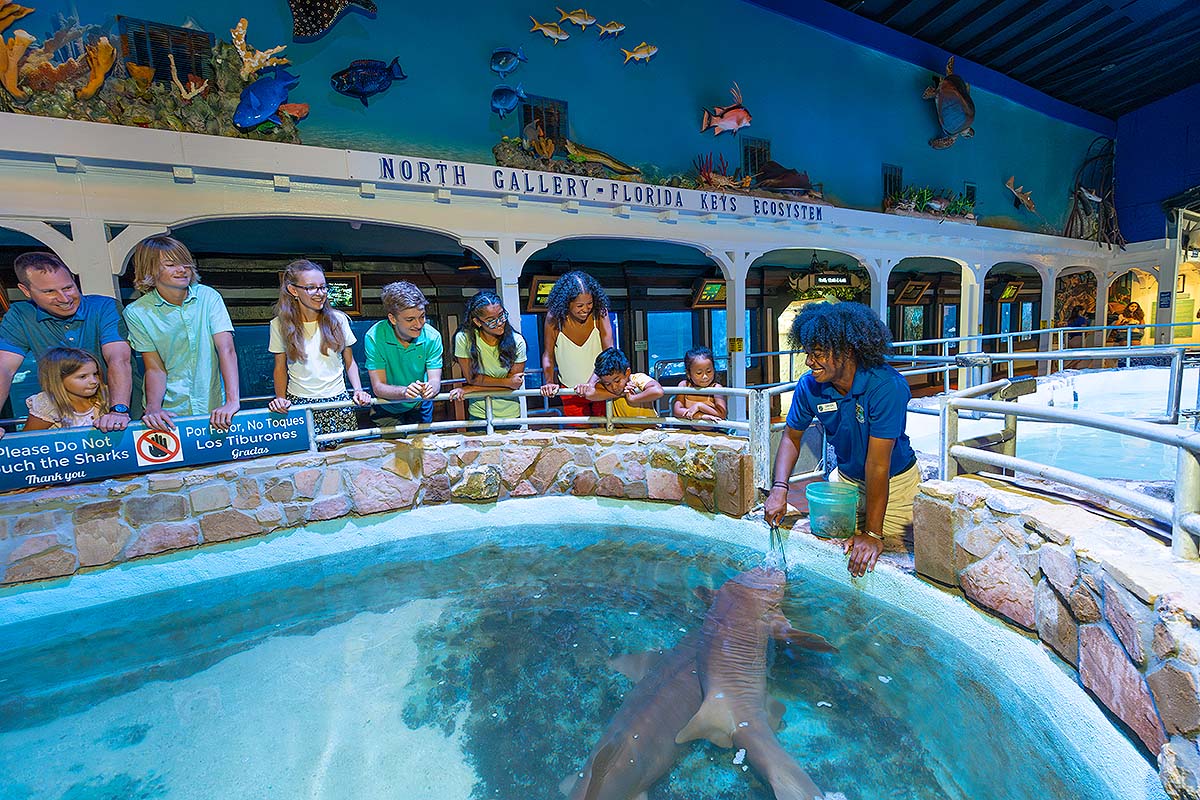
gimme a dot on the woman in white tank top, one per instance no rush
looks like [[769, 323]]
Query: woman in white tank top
[[577, 329]]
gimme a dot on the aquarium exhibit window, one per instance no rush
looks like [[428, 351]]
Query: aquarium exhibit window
[[149, 43], [893, 180], [669, 334], [720, 335], [549, 114], [949, 320], [912, 324], [755, 154], [1026, 319], [969, 191]]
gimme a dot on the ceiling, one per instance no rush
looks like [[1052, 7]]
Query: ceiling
[[1109, 57]]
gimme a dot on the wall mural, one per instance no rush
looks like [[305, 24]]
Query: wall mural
[[154, 66], [1074, 290]]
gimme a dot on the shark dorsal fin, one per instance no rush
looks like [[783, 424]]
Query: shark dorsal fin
[[635, 665]]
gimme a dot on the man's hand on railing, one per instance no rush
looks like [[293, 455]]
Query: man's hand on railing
[[112, 421], [158, 419], [280, 405], [221, 417], [418, 389], [587, 391], [550, 389], [515, 382], [456, 394], [361, 397]]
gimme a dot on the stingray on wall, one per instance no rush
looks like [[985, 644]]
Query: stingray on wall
[[312, 19]]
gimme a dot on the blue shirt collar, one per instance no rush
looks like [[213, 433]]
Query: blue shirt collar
[[861, 376], [42, 315]]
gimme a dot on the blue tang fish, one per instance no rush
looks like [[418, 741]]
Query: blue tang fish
[[506, 98], [366, 77], [505, 60], [261, 100]]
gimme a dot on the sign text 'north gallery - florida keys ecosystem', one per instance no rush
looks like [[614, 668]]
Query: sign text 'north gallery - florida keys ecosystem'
[[74, 455]]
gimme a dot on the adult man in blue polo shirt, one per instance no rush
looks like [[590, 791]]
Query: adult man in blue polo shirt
[[57, 315], [862, 404]]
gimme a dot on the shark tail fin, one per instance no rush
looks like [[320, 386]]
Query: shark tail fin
[[713, 722], [635, 665]]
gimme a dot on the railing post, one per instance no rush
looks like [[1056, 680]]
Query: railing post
[[608, 415], [1187, 501], [948, 436], [487, 414], [1175, 390], [760, 438], [312, 430]]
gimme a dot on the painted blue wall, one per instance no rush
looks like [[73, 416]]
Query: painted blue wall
[[830, 107], [1158, 156]]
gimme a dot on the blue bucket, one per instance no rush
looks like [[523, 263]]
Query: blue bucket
[[832, 509]]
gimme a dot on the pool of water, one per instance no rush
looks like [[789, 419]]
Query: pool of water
[[376, 660], [1135, 392]]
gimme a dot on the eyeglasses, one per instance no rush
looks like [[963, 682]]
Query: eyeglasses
[[322, 289], [494, 322]]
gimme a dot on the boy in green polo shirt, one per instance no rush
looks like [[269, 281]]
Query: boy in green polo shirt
[[404, 358]]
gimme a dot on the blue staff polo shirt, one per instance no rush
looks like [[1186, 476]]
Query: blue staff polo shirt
[[877, 406]]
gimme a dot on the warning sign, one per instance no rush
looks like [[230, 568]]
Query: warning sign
[[158, 447]]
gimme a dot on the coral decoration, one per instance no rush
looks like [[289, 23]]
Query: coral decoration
[[100, 58], [45, 76], [718, 178], [542, 146], [11, 12], [296, 111], [11, 53], [142, 76], [254, 60], [194, 85]]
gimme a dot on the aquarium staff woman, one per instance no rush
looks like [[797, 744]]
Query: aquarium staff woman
[[862, 403]]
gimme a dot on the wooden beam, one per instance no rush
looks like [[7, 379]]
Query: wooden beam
[[1022, 16], [1154, 58], [1039, 65], [1066, 18], [1132, 88], [929, 17], [888, 14], [970, 18]]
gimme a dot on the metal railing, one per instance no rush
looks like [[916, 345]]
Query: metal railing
[[1182, 514]]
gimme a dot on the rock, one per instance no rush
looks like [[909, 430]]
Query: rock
[[1109, 674], [998, 583], [436, 489], [374, 490], [1175, 687], [1129, 619], [306, 482], [545, 471], [933, 537], [1059, 566], [1084, 605], [269, 516], [278, 490], [99, 541], [210, 497], [1006, 503], [606, 463], [979, 540], [50, 563], [663, 484], [1179, 769], [28, 524], [221, 526], [524, 489], [140, 511], [1054, 624], [635, 470], [329, 508], [515, 463], [662, 458], [248, 496], [479, 484], [433, 462], [165, 482], [698, 464], [161, 537], [610, 486], [584, 483], [735, 492]]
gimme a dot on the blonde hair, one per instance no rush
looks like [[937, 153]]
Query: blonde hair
[[401, 296], [58, 363], [287, 311], [148, 257]]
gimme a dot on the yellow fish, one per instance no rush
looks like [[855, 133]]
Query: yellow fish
[[642, 52], [551, 30], [579, 16], [611, 29]]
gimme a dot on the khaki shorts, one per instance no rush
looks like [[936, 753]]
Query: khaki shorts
[[898, 519]]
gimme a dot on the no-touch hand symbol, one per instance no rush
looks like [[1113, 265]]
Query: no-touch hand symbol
[[158, 447]]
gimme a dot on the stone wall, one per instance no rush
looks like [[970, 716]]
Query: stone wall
[[1104, 596], [47, 533]]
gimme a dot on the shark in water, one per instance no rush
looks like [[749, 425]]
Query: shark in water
[[711, 685]]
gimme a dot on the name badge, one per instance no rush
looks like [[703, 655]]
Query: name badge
[[823, 407]]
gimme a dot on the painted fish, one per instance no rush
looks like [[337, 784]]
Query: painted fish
[[296, 111], [642, 52], [505, 60], [366, 77], [1020, 196], [726, 118], [579, 16], [260, 101], [311, 18], [505, 99], [601, 158], [613, 29], [550, 30]]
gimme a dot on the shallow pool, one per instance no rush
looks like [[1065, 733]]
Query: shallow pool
[[1135, 392], [472, 663]]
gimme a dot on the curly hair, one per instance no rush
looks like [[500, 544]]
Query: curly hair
[[469, 330], [611, 362], [570, 286], [842, 329]]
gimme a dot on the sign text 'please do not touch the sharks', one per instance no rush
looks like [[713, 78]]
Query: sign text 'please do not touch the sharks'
[[74, 455], [480, 178]]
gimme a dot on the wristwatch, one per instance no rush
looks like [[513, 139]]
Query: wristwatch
[[120, 408]]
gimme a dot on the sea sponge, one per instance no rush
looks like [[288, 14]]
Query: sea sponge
[[11, 12], [45, 76], [100, 59], [142, 76], [11, 53]]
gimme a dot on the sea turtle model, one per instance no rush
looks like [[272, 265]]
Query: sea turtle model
[[955, 108]]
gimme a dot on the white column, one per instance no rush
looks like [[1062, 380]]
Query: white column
[[972, 301], [1047, 340], [735, 264], [879, 284], [1103, 279]]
